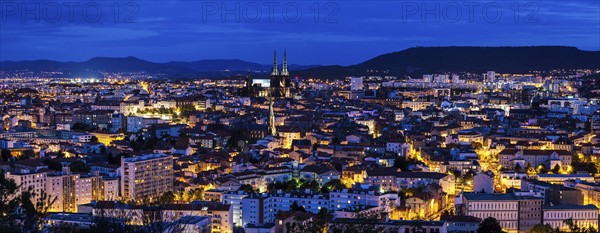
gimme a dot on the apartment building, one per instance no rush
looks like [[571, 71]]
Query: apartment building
[[263, 208], [64, 188], [590, 191], [582, 216], [27, 180], [146, 176], [235, 200], [515, 213], [509, 158], [362, 197]]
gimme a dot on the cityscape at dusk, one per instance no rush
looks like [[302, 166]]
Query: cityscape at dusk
[[300, 116]]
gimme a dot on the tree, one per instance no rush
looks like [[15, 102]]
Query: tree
[[313, 185], [82, 127], [33, 213], [357, 225], [518, 168], [154, 220], [530, 170], [332, 185], [197, 194], [542, 169], [106, 224], [167, 198], [571, 224], [79, 166], [296, 207], [556, 169], [591, 168], [403, 163], [542, 228], [476, 145], [151, 216], [26, 154], [489, 225], [589, 229], [19, 213], [247, 188], [320, 223], [6, 155], [8, 204]]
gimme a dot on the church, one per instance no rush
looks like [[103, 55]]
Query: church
[[279, 84]]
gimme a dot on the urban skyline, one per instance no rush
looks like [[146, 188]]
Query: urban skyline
[[304, 117]]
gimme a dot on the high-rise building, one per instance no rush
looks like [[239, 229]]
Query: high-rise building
[[490, 76], [146, 176], [25, 180], [69, 189]]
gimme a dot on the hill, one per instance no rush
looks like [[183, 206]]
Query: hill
[[413, 61], [421, 60]]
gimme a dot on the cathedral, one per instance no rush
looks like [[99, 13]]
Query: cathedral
[[279, 83]]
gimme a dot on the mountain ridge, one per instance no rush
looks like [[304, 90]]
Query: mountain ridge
[[411, 61], [475, 59]]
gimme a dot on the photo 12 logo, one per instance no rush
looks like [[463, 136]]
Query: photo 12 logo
[[72, 12], [272, 12], [469, 11]]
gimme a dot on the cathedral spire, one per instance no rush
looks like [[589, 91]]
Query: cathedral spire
[[274, 71], [284, 70], [271, 123]]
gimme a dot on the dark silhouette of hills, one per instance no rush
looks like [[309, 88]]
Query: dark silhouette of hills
[[125, 64], [421, 60], [229, 64], [413, 61], [133, 64]]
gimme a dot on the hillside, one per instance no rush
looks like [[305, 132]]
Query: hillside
[[413, 61], [419, 60]]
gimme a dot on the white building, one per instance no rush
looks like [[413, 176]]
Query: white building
[[582, 215], [235, 200], [484, 182], [399, 147], [356, 84], [166, 104], [135, 124], [131, 107], [260, 209], [343, 199], [514, 213]]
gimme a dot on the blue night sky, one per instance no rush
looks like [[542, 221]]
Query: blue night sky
[[340, 32]]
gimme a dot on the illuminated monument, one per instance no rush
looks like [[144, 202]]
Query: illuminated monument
[[280, 82], [277, 86]]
